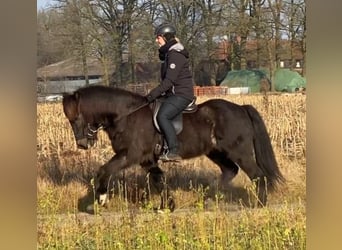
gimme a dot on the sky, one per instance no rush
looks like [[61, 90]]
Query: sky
[[42, 3]]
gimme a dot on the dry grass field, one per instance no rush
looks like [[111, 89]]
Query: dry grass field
[[206, 217]]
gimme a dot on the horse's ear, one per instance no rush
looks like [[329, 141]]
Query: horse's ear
[[71, 104], [76, 95], [67, 94]]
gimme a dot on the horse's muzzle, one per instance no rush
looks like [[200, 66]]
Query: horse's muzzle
[[85, 143], [82, 143]]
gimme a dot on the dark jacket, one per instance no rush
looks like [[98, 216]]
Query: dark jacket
[[176, 78]]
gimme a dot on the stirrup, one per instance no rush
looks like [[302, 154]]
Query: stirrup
[[170, 157]]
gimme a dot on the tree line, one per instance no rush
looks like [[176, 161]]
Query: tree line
[[118, 32]]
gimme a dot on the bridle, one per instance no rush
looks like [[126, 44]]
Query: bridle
[[91, 131]]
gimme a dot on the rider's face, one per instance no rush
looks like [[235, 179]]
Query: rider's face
[[160, 40]]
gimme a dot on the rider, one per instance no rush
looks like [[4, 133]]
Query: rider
[[176, 86]]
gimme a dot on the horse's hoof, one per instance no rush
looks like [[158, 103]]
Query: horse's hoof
[[171, 204], [90, 209], [160, 211], [103, 199]]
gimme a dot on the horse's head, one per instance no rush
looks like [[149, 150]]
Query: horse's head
[[90, 108], [84, 131]]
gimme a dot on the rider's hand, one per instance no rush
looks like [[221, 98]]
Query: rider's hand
[[149, 98]]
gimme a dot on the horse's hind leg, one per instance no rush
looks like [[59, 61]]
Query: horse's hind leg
[[251, 168], [228, 168], [248, 164], [157, 180]]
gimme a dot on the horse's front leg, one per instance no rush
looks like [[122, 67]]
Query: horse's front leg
[[104, 176], [157, 180]]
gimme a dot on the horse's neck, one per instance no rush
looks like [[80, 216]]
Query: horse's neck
[[118, 104], [123, 106]]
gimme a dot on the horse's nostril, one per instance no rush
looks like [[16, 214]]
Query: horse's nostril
[[82, 143], [82, 147]]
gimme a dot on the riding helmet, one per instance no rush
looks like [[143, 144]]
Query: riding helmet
[[165, 30]]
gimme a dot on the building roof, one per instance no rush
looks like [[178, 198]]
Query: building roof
[[71, 68]]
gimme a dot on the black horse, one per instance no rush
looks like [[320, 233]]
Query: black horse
[[232, 136]]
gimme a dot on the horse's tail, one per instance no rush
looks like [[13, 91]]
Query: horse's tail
[[264, 153]]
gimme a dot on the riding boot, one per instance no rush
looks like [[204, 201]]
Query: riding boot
[[171, 155]]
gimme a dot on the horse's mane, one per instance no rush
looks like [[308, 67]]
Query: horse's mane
[[107, 90], [105, 99]]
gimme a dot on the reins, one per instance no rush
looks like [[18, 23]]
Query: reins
[[101, 126], [132, 111], [136, 109]]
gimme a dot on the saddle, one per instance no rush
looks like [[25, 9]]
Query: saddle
[[177, 122]]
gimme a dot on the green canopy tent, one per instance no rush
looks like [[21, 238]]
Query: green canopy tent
[[288, 81], [257, 80], [246, 78]]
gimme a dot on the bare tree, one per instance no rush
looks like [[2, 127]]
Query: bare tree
[[114, 18], [72, 29], [242, 32], [50, 46], [294, 14], [120, 32], [211, 18], [275, 8], [255, 12]]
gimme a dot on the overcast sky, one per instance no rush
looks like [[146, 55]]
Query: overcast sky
[[42, 3]]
